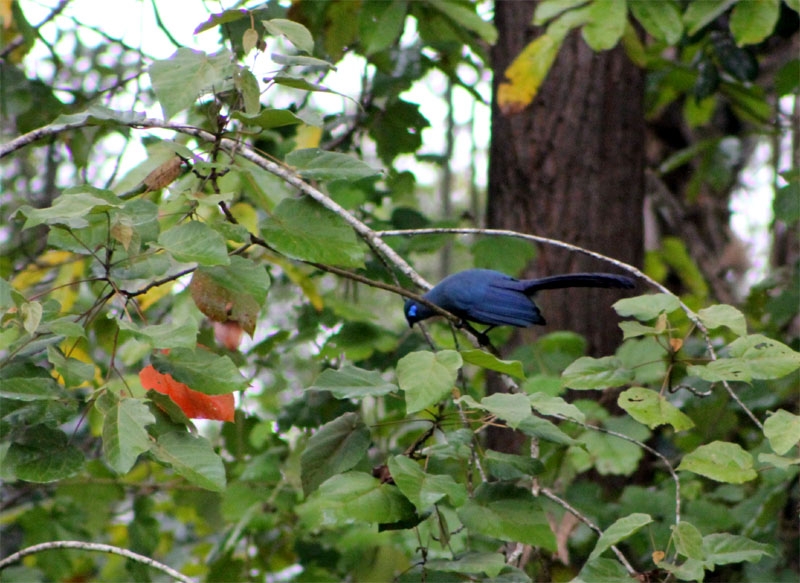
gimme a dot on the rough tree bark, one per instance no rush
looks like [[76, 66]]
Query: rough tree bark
[[571, 167]]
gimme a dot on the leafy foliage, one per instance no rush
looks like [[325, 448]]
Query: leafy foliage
[[351, 449]]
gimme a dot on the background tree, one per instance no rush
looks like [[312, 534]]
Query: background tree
[[571, 165], [250, 235]]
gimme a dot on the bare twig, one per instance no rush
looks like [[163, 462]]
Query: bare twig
[[98, 548]]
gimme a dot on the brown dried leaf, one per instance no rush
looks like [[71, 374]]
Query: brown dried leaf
[[164, 174]]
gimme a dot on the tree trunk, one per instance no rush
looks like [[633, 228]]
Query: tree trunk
[[571, 167]]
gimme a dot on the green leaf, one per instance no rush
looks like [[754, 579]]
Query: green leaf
[[41, 454], [351, 382], [247, 84], [471, 563], [689, 570], [305, 230], [723, 315], [699, 14], [508, 513], [544, 429], [506, 466], [646, 308], [163, 403], [294, 32], [547, 405], [195, 242], [549, 9], [660, 18], [424, 489], [302, 61], [606, 25], [316, 164], [724, 369], [506, 254], [782, 429], [688, 540], [464, 16], [73, 372], [305, 85], [491, 362], [633, 329], [786, 205], [381, 24], [765, 357], [652, 409], [724, 548], [511, 407], [776, 461], [752, 357], [620, 530], [31, 314], [97, 115], [161, 336], [124, 430], [179, 80], [268, 119], [427, 377], [29, 389], [609, 454], [589, 373], [221, 18], [720, 461], [355, 496], [201, 370], [71, 208], [752, 22], [335, 448], [192, 457], [603, 571]]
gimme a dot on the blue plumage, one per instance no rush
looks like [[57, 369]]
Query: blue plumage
[[490, 297]]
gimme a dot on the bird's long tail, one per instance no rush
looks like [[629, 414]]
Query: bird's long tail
[[608, 280]]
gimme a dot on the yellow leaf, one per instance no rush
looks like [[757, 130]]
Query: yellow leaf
[[300, 279], [246, 215], [308, 137], [527, 73], [153, 295], [64, 289], [5, 13], [33, 273]]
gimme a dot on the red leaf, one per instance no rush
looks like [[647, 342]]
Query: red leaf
[[195, 405], [229, 334]]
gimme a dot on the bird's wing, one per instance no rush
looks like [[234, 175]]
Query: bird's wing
[[504, 303]]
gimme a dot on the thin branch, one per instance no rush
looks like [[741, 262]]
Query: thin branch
[[587, 521], [645, 447], [98, 548], [621, 264]]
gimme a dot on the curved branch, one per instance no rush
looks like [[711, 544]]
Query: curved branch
[[98, 548], [621, 264]]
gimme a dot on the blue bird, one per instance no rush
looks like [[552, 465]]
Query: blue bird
[[485, 296]]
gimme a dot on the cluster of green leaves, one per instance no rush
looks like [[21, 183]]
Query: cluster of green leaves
[[356, 449]]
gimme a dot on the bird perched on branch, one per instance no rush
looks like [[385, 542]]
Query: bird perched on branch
[[485, 296]]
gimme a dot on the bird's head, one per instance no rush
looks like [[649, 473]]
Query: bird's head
[[416, 311]]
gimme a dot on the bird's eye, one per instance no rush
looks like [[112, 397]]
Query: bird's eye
[[412, 311]]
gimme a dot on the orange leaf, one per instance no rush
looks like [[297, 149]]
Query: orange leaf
[[194, 404]]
